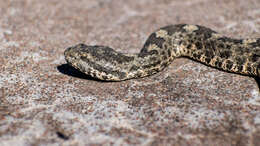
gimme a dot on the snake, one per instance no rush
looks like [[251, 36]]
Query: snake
[[196, 42]]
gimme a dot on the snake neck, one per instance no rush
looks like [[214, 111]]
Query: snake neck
[[201, 44]]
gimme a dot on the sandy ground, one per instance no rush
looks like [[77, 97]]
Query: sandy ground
[[43, 101]]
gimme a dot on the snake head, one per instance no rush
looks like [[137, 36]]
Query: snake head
[[99, 62]]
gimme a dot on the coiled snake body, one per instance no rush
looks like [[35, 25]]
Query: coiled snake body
[[162, 47]]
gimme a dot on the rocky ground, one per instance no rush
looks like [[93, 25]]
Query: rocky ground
[[43, 101]]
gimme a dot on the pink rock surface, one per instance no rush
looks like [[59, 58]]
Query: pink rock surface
[[43, 101]]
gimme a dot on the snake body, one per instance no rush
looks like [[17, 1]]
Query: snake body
[[162, 47]]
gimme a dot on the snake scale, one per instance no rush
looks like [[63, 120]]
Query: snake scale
[[196, 42]]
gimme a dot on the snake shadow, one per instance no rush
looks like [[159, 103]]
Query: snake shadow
[[257, 79], [71, 71]]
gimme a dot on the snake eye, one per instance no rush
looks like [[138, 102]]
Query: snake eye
[[82, 45]]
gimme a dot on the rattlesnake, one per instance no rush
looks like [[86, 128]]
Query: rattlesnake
[[162, 47]]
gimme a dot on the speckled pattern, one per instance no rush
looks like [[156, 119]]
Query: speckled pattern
[[44, 101], [162, 47]]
